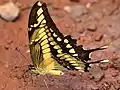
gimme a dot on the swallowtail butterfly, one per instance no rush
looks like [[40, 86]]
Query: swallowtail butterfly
[[52, 52]]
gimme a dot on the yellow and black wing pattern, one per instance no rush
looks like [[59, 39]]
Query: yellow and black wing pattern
[[52, 52]]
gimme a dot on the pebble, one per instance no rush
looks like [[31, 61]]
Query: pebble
[[116, 64], [99, 37], [92, 27], [74, 0], [103, 66], [76, 10], [116, 44], [97, 73], [9, 11]]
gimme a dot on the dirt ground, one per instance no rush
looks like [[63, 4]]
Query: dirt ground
[[102, 15]]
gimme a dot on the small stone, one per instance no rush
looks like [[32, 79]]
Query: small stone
[[94, 87], [9, 11], [104, 66], [6, 47], [116, 73], [92, 27], [88, 5], [117, 64], [74, 0], [76, 10], [99, 37], [67, 9], [116, 44], [97, 73]]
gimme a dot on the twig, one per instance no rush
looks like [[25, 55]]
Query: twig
[[46, 84]]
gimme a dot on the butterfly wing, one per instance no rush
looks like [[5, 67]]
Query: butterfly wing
[[39, 44], [50, 50]]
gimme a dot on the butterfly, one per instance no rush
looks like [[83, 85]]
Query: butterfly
[[50, 50]]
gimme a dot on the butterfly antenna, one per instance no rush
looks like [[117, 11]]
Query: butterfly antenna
[[23, 56]]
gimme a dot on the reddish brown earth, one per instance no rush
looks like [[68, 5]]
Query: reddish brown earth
[[14, 59]]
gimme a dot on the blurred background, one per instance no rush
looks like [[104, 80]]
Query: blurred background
[[94, 23]]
